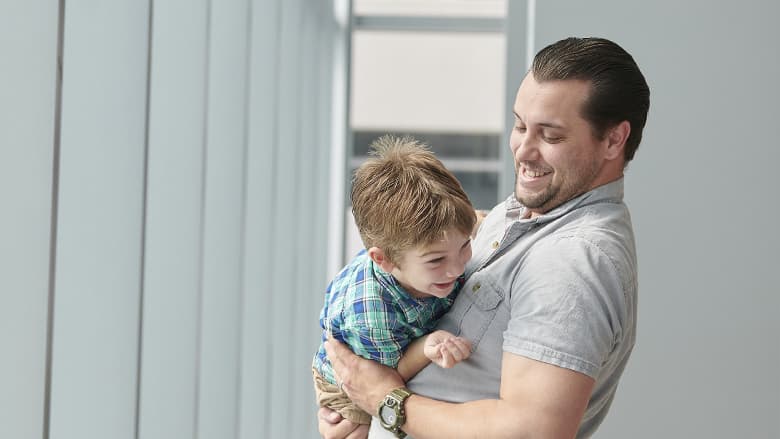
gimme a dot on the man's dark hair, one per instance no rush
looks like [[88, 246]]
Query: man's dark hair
[[618, 90]]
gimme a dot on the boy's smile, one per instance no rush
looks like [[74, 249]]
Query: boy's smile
[[430, 270]]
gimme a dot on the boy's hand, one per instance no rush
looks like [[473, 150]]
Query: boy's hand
[[445, 349]]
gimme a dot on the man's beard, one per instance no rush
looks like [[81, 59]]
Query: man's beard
[[535, 201], [556, 193]]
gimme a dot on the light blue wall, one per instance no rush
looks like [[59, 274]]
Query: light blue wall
[[28, 83], [173, 261], [164, 231], [703, 195]]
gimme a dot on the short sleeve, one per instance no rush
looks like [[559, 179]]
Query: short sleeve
[[567, 305]]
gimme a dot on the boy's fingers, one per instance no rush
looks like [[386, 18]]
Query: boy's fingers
[[463, 345], [447, 360], [455, 350], [459, 348]]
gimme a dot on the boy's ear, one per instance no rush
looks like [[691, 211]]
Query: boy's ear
[[380, 258]]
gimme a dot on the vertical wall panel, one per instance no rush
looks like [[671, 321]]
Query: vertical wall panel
[[223, 220], [284, 242], [172, 263], [259, 256], [321, 43], [28, 79], [99, 240], [516, 38], [300, 365], [306, 299]]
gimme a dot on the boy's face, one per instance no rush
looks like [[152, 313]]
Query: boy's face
[[432, 270]]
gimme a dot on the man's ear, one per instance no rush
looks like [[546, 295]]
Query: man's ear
[[380, 258], [616, 140]]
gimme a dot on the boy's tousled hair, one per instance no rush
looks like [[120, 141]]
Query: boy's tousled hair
[[404, 197]]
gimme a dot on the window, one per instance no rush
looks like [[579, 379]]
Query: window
[[433, 69]]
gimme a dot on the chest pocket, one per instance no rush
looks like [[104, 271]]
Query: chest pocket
[[476, 307]]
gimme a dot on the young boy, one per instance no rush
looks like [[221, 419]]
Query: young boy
[[415, 221]]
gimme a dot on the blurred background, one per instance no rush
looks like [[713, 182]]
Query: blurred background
[[174, 179]]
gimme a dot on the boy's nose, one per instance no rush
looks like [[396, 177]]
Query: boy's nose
[[455, 269]]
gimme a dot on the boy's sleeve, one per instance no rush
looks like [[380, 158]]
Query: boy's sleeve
[[372, 329]]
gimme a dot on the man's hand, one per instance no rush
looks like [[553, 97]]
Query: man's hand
[[333, 426], [445, 349], [366, 382]]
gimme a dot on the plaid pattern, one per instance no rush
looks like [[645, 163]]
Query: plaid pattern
[[368, 310]]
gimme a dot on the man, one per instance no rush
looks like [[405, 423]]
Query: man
[[550, 300]]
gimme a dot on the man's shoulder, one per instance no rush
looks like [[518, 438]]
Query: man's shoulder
[[606, 222], [599, 235]]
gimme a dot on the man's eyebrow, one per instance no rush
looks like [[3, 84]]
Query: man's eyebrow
[[543, 124]]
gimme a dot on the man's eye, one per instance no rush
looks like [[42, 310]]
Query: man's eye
[[519, 129], [552, 139], [435, 261]]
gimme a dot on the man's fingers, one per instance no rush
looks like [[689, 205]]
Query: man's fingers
[[328, 415], [334, 348], [338, 354], [342, 359], [359, 433], [333, 426]]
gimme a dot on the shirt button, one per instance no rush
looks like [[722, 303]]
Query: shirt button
[[495, 245], [476, 287]]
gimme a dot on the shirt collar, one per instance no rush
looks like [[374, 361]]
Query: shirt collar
[[610, 192]]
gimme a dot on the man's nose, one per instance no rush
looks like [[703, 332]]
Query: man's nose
[[524, 147]]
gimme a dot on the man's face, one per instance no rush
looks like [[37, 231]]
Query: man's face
[[556, 155], [433, 269]]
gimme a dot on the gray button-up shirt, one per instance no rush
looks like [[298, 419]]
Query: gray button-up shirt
[[559, 288]]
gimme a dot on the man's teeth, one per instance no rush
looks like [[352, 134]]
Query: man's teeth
[[532, 173]]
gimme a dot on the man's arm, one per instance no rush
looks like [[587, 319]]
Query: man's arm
[[537, 400]]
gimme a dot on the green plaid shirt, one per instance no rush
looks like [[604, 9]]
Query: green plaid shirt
[[370, 311]]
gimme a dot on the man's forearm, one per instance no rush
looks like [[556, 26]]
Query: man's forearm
[[430, 419]]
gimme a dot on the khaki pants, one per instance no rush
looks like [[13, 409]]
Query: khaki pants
[[329, 395]]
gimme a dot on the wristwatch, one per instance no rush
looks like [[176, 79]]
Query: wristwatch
[[391, 411]]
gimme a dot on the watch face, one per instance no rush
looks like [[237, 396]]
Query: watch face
[[387, 414]]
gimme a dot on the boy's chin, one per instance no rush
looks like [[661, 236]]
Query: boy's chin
[[441, 290]]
